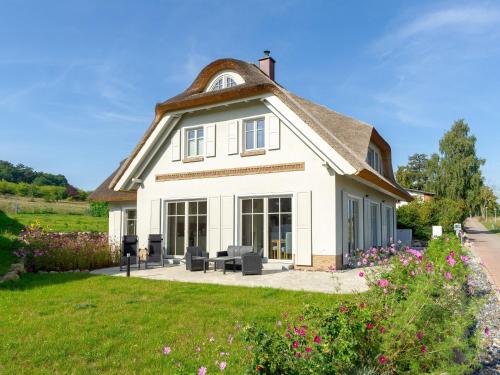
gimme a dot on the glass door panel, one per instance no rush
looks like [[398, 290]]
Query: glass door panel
[[280, 228]]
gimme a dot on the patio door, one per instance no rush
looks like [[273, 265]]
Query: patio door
[[266, 223], [186, 225]]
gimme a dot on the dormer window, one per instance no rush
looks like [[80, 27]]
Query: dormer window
[[224, 81], [374, 160]]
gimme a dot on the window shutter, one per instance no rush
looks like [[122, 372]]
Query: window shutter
[[115, 226], [232, 137], [213, 225], [273, 133], [176, 145], [304, 236], [210, 141], [367, 223], [154, 220], [227, 211], [384, 225]]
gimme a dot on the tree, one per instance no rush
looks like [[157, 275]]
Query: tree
[[459, 173], [488, 200], [414, 174]]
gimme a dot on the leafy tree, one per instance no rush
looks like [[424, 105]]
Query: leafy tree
[[99, 209], [488, 199], [21, 173], [414, 174], [459, 175]]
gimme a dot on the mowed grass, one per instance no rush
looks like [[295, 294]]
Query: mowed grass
[[83, 324]]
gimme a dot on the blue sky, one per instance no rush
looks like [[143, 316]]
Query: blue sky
[[79, 79]]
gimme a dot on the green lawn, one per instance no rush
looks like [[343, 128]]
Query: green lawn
[[81, 324], [65, 222]]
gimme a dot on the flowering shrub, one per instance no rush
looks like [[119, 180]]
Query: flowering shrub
[[374, 256], [416, 318], [46, 251]]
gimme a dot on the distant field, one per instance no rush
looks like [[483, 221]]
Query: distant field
[[64, 223], [16, 204]]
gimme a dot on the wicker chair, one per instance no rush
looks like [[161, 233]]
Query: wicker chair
[[129, 246], [251, 264], [194, 258], [154, 250]]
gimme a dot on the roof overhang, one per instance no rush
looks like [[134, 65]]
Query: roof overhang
[[372, 179]]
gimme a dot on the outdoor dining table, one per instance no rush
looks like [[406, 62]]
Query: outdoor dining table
[[225, 260]]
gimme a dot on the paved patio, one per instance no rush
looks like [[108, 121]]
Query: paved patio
[[273, 276]]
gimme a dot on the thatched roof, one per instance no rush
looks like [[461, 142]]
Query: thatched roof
[[347, 136], [104, 194]]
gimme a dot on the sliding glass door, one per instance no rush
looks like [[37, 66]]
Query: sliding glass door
[[186, 226], [252, 223], [266, 223]]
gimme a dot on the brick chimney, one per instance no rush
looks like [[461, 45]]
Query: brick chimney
[[266, 64]]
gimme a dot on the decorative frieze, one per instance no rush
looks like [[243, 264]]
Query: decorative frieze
[[243, 171]]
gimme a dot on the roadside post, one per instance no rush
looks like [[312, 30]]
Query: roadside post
[[128, 264]]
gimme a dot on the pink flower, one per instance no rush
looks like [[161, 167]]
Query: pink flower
[[362, 305], [295, 344], [382, 330], [343, 309], [288, 335], [450, 260], [317, 339], [361, 274], [429, 267], [369, 326], [464, 259], [298, 355], [167, 350], [308, 349], [448, 275], [382, 359], [487, 331], [420, 336], [423, 349], [383, 283], [202, 371], [222, 366]]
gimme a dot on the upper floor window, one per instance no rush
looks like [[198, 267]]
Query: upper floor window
[[224, 81], [254, 134], [374, 160], [195, 141]]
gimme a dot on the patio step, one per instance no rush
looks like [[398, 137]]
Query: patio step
[[172, 261]]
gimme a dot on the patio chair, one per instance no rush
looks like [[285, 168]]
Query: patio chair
[[129, 246], [154, 250], [251, 264], [194, 258]]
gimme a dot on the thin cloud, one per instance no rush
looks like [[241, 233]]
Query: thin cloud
[[121, 117], [461, 19]]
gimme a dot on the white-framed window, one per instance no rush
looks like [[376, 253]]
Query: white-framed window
[[130, 221], [374, 160], [352, 223], [223, 81], [254, 134], [195, 139]]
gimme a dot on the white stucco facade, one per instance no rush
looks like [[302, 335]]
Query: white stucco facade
[[319, 194]]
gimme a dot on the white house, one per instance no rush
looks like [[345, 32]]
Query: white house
[[238, 159]]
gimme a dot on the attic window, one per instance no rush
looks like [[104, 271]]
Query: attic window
[[224, 81]]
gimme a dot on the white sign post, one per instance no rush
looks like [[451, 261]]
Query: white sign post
[[437, 231]]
